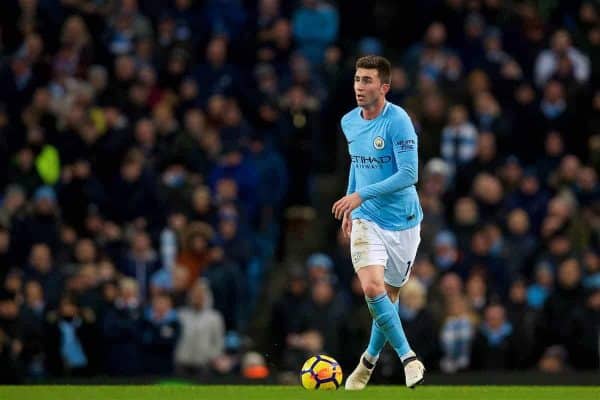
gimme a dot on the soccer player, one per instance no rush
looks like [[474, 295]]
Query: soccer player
[[381, 212]]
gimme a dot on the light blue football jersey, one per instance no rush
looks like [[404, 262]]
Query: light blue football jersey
[[384, 167]]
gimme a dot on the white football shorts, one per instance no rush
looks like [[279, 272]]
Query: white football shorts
[[395, 250]]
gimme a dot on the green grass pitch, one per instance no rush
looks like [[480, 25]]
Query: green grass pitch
[[181, 392]]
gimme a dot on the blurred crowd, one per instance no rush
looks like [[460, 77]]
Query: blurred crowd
[[161, 169]]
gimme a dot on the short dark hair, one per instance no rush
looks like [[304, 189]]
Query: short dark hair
[[381, 64]]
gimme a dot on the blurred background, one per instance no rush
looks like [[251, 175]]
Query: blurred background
[[167, 170]]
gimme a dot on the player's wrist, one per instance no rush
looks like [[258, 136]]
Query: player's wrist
[[363, 195]]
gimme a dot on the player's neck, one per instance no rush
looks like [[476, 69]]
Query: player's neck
[[373, 111]]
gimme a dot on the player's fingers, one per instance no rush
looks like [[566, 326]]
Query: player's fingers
[[342, 209], [336, 212], [347, 225], [335, 206]]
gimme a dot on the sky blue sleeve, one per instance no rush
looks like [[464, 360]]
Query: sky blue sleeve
[[351, 181], [404, 145]]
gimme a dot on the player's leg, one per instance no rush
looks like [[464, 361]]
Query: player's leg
[[368, 254], [377, 339], [386, 324], [402, 249], [384, 312], [379, 336]]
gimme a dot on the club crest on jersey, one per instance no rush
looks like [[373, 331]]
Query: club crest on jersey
[[378, 143]]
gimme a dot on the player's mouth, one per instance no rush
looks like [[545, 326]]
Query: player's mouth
[[360, 97]]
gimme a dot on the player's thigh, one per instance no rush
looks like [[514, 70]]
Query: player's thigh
[[402, 249], [368, 252]]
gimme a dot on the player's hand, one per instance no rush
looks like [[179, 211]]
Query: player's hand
[[345, 204], [347, 224]]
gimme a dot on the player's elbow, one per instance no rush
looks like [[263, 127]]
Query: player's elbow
[[412, 175]]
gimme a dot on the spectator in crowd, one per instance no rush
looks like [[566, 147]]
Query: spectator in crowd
[[69, 339], [141, 261], [10, 344], [315, 25], [33, 313], [194, 254], [584, 346], [121, 331], [591, 264], [226, 279], [41, 226], [538, 292], [160, 330], [202, 332], [520, 243], [456, 336], [561, 50], [320, 266], [321, 323], [41, 269], [567, 297], [523, 319], [494, 346], [459, 138]]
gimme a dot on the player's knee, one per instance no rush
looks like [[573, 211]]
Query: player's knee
[[373, 288]]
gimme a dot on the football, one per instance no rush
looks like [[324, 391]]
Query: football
[[321, 372]]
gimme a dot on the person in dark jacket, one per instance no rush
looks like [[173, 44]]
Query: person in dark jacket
[[136, 184], [325, 314], [78, 190], [140, 262], [568, 298], [42, 226], [70, 339], [523, 319], [121, 331], [32, 317], [11, 345], [226, 282], [41, 269], [285, 311], [160, 332], [585, 345], [493, 347]]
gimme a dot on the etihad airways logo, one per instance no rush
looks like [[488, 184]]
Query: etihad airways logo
[[370, 162]]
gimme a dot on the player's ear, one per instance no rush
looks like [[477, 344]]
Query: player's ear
[[385, 88]]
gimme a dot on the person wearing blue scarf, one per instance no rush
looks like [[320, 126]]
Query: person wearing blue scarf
[[69, 339], [71, 349], [160, 332], [494, 346]]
